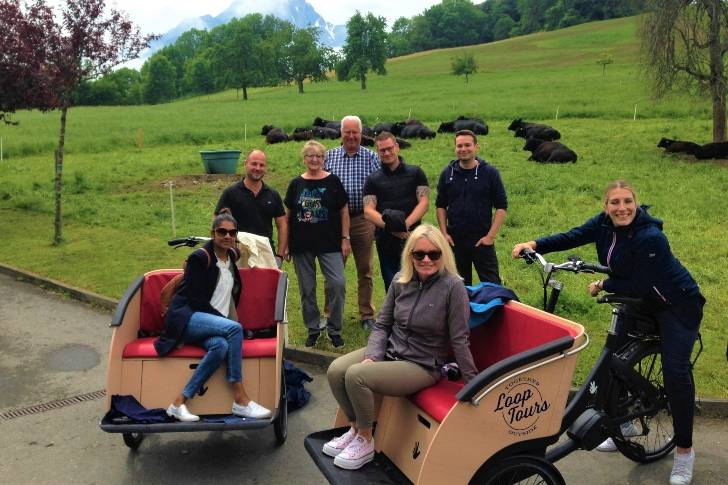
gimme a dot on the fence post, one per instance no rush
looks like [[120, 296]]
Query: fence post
[[171, 204], [557, 113]]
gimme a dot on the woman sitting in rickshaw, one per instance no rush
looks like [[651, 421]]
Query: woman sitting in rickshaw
[[423, 318], [202, 313]]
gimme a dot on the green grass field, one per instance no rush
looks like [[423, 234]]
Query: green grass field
[[117, 199]]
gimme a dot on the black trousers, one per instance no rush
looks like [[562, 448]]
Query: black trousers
[[482, 257]]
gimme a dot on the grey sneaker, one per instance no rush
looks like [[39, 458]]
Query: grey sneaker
[[682, 468]]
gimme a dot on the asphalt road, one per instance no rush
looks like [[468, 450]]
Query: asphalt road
[[54, 348]]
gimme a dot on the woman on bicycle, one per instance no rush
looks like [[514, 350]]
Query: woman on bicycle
[[423, 318], [202, 313], [631, 243]]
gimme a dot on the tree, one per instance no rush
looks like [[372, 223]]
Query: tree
[[305, 58], [464, 65], [684, 45], [365, 48], [198, 78], [27, 41], [160, 84], [399, 39], [85, 45], [604, 61]]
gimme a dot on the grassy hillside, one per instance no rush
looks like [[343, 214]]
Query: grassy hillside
[[116, 197]]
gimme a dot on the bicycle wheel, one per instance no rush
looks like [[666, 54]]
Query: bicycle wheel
[[522, 470], [651, 436]]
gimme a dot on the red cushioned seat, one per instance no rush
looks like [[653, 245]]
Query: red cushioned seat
[[143, 348], [514, 329], [437, 400]]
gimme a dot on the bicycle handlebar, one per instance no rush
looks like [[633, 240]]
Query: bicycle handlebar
[[190, 241], [573, 265]]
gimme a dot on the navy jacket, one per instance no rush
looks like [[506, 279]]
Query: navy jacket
[[194, 295], [638, 256], [469, 197]]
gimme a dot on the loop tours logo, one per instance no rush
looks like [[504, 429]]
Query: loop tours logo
[[521, 405]]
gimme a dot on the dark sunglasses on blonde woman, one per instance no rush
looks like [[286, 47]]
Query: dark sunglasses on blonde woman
[[420, 255], [222, 232]]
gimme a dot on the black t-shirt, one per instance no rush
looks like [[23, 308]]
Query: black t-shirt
[[254, 214], [314, 221]]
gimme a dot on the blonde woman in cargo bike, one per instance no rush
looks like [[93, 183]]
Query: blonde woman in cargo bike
[[202, 313], [424, 315]]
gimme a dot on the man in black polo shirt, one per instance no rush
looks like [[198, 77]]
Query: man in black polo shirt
[[395, 198], [255, 205]]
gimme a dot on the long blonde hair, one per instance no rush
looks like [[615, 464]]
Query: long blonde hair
[[432, 234]]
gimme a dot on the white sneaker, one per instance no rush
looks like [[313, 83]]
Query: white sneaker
[[356, 455], [181, 413], [682, 468], [628, 429], [337, 445], [252, 410]]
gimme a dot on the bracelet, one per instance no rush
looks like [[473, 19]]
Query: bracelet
[[345, 237]]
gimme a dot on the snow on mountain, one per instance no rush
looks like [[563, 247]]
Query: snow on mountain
[[299, 12]]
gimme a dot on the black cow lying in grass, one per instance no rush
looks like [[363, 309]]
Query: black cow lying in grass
[[712, 150], [677, 146], [524, 129], [412, 129], [380, 127], [334, 125], [549, 151], [541, 132], [476, 125], [273, 134]]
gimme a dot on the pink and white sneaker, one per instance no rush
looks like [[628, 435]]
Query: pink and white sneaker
[[337, 445], [356, 455]]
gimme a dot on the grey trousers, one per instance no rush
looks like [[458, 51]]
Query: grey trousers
[[354, 383], [332, 267]]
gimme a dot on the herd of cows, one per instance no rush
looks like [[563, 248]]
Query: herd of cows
[[540, 138]]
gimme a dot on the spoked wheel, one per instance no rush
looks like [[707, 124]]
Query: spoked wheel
[[522, 470], [133, 440], [280, 425], [650, 437]]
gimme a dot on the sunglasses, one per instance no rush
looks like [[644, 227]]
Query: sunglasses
[[420, 255], [222, 232]]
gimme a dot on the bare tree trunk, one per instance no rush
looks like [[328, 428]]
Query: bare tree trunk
[[245, 93], [59, 173], [717, 74], [300, 85], [363, 82]]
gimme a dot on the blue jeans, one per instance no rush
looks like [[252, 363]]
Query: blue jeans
[[223, 339]]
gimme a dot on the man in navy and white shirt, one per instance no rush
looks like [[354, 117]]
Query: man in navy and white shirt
[[353, 163]]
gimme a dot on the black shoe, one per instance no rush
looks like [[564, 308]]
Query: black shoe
[[312, 338], [367, 324], [336, 341]]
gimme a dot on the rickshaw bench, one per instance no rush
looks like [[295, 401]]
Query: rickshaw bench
[[136, 368], [516, 328], [255, 310]]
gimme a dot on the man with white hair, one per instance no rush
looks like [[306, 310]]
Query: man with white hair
[[353, 163]]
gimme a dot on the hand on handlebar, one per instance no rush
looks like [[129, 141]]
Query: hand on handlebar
[[520, 247], [595, 287]]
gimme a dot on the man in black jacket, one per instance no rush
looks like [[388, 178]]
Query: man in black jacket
[[395, 198], [467, 192]]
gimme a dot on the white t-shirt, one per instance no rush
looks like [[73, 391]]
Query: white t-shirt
[[220, 300]]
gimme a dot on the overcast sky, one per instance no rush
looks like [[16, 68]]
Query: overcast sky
[[159, 16]]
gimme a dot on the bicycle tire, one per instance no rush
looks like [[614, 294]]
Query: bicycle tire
[[655, 438], [521, 469]]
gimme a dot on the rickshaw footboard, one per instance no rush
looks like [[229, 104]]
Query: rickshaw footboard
[[380, 470], [177, 427]]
